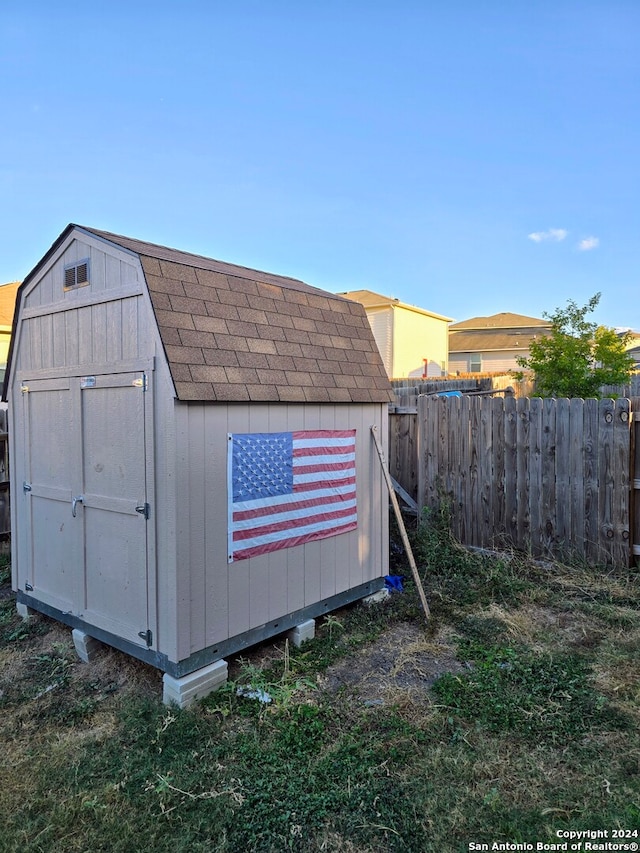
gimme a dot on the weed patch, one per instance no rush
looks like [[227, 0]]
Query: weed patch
[[538, 698]]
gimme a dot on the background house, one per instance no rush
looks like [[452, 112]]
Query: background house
[[633, 345], [412, 342], [492, 344], [7, 304]]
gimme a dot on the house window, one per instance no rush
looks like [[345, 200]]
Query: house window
[[475, 363], [76, 274]]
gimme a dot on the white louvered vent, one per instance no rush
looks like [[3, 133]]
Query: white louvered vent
[[76, 274]]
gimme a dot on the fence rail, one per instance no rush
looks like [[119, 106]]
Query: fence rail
[[556, 478]]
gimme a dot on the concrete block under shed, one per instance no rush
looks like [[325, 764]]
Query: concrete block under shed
[[305, 631], [87, 647], [183, 691]]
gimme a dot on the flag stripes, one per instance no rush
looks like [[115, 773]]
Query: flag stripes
[[286, 489]]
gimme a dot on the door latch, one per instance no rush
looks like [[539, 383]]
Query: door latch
[[147, 636], [144, 509], [74, 504]]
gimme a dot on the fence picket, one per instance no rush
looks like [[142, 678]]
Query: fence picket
[[510, 470], [562, 497], [465, 528], [606, 479], [474, 506], [498, 493], [622, 481], [576, 538], [591, 532], [548, 460], [522, 476]]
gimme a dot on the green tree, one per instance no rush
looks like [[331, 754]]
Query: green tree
[[578, 357]]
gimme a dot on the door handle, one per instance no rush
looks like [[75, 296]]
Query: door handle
[[74, 503]]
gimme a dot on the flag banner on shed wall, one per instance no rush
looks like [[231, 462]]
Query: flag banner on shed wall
[[287, 488]]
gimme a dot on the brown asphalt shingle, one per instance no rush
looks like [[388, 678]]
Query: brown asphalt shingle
[[235, 334]]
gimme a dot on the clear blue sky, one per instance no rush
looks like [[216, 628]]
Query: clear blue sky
[[465, 156]]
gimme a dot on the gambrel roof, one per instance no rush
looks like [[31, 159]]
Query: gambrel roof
[[235, 334]]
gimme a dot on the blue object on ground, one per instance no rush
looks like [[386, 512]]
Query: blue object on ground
[[394, 583]]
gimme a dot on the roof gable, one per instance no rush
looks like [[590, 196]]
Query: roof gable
[[235, 334]]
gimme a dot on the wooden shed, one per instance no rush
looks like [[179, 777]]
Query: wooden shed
[[191, 458]]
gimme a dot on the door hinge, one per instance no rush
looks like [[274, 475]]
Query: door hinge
[[28, 587], [144, 509], [24, 388], [147, 636], [26, 487], [141, 382]]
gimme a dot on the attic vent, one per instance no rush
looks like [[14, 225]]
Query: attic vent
[[76, 274]]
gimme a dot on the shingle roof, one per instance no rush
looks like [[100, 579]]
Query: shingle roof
[[492, 341], [503, 320], [235, 334]]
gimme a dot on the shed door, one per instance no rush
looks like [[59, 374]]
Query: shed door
[[98, 510], [51, 546]]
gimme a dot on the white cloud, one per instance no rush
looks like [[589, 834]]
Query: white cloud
[[553, 234], [588, 243]]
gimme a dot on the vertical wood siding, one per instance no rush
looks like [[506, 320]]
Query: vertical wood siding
[[223, 600]]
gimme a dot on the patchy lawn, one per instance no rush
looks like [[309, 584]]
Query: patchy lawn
[[512, 715]]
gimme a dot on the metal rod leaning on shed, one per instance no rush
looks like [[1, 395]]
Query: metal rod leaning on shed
[[400, 520]]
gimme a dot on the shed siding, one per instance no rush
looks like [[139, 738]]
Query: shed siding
[[110, 269], [104, 322], [221, 600]]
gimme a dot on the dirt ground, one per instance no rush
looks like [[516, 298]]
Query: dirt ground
[[402, 659]]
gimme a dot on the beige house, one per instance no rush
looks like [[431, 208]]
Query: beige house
[[7, 304], [412, 342], [492, 344]]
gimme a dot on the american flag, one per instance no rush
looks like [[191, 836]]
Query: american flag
[[287, 488]]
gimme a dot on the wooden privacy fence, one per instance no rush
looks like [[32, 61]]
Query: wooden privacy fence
[[555, 478]]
